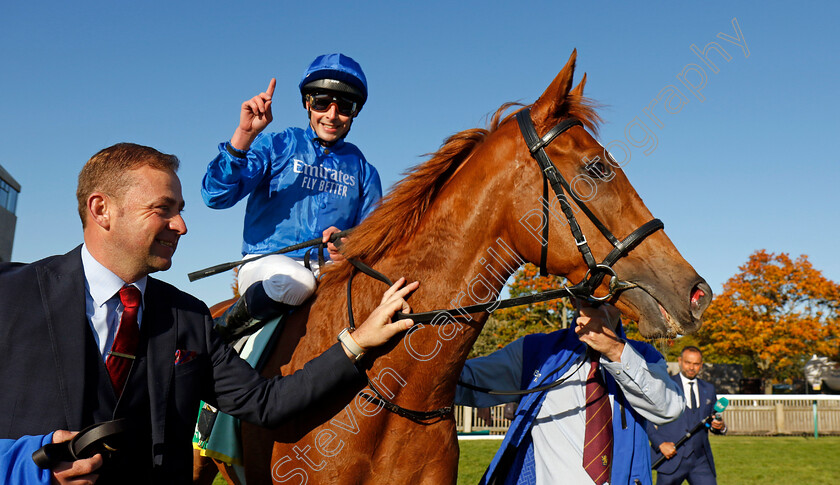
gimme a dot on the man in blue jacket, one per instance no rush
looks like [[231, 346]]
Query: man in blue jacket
[[693, 460], [301, 184], [549, 440]]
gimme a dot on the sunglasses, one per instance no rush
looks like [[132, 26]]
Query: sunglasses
[[322, 102]]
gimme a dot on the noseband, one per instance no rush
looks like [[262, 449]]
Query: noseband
[[551, 176], [585, 289]]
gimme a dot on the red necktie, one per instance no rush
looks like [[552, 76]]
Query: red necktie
[[125, 343], [598, 444]]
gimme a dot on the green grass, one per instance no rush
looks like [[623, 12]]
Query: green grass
[[776, 459], [475, 456], [741, 460]]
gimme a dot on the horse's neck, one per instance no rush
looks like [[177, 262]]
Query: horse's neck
[[459, 257], [456, 266]]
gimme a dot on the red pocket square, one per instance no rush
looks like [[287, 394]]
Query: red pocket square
[[184, 356]]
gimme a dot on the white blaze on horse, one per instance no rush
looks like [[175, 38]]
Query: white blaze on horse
[[461, 223]]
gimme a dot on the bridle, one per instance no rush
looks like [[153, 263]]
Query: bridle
[[551, 176], [585, 289]]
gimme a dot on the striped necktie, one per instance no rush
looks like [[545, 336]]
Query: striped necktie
[[125, 343], [598, 438]]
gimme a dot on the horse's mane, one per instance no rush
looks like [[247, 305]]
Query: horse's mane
[[400, 211]]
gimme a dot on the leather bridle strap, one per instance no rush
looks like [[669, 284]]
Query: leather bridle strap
[[358, 265], [632, 240], [378, 399], [430, 316], [536, 146], [584, 289], [544, 387], [417, 416]]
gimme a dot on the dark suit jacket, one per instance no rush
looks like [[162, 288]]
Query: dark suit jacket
[[44, 369], [675, 430]]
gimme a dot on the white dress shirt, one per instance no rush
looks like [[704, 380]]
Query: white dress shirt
[[686, 385], [102, 301]]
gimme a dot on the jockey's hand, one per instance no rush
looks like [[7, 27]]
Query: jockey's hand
[[253, 118], [335, 254], [596, 328], [77, 472], [668, 450], [378, 328]]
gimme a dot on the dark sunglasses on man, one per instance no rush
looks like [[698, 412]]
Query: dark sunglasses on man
[[322, 101]]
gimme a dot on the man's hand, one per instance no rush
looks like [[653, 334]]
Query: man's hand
[[79, 472], [667, 449], [253, 118], [596, 328], [718, 424], [335, 255], [378, 328]]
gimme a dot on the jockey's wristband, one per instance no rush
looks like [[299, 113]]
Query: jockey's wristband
[[235, 152]]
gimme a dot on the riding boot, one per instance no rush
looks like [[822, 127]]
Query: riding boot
[[250, 312]]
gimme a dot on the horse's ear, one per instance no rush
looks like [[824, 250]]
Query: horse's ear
[[550, 104], [578, 90]]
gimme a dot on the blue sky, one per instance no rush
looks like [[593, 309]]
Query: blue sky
[[753, 165]]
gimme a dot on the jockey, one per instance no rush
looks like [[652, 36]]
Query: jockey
[[301, 184]]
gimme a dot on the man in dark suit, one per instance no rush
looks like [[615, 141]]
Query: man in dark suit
[[693, 460], [60, 318]]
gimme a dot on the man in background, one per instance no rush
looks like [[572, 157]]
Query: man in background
[[693, 460]]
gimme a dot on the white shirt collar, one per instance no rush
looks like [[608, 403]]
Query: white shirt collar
[[686, 380], [101, 282]]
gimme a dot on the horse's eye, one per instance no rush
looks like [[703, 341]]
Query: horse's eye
[[598, 169]]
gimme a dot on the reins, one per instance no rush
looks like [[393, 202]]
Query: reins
[[544, 387], [432, 316], [584, 289]]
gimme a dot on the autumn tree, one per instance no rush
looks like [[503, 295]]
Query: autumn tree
[[235, 285], [490, 339], [507, 324], [772, 316]]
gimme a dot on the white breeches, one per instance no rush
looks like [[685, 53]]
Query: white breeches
[[285, 279]]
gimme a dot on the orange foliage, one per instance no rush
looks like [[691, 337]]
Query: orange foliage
[[506, 325], [772, 316], [511, 323], [235, 285]]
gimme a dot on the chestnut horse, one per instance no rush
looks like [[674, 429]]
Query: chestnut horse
[[461, 223]]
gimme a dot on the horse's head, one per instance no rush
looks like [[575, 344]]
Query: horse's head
[[665, 294], [487, 181]]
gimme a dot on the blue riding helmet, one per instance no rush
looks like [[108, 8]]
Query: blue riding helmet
[[335, 72]]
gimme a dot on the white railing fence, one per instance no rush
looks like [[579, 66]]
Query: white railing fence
[[747, 414], [797, 414]]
